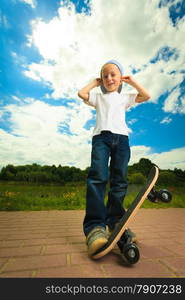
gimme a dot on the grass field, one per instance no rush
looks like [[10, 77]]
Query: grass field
[[16, 197]]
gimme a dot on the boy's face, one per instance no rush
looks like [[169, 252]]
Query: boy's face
[[111, 77]]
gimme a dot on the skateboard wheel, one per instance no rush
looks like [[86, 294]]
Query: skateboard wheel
[[164, 196], [152, 196], [130, 254]]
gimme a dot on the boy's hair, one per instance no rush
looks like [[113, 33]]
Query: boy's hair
[[120, 67]]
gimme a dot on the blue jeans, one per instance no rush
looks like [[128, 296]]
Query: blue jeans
[[104, 146]]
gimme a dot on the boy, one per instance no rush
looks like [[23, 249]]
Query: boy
[[110, 140]]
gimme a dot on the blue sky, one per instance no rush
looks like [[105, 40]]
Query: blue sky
[[50, 49]]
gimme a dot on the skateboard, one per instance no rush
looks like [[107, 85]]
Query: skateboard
[[129, 250]]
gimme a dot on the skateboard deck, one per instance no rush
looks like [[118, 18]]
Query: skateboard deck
[[129, 215]]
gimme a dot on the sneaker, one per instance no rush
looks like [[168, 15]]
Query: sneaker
[[96, 239]]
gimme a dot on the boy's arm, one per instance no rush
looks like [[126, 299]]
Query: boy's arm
[[84, 92], [143, 94]]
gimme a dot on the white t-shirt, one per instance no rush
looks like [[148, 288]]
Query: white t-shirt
[[110, 111]]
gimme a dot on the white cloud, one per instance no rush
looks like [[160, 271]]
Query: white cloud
[[32, 3], [40, 72], [170, 2], [132, 121], [157, 78], [78, 44], [174, 158], [175, 102], [4, 21], [35, 137], [35, 134], [166, 120], [138, 152]]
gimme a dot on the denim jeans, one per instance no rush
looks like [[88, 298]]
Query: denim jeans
[[105, 146]]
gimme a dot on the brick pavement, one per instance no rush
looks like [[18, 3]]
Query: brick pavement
[[51, 244]]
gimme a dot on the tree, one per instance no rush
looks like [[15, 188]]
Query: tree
[[167, 178], [22, 176], [11, 169], [137, 178], [143, 166], [180, 175], [6, 173], [62, 174]]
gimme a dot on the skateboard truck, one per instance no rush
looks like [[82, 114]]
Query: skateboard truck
[[160, 196], [129, 250]]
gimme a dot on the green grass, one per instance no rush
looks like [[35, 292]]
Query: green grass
[[178, 199], [41, 197], [16, 197]]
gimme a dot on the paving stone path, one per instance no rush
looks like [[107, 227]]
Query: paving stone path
[[51, 244]]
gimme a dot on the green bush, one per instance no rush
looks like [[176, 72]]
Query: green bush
[[137, 178], [167, 178]]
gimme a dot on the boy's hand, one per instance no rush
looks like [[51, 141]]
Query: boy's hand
[[84, 92], [128, 79], [142, 95], [97, 82]]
